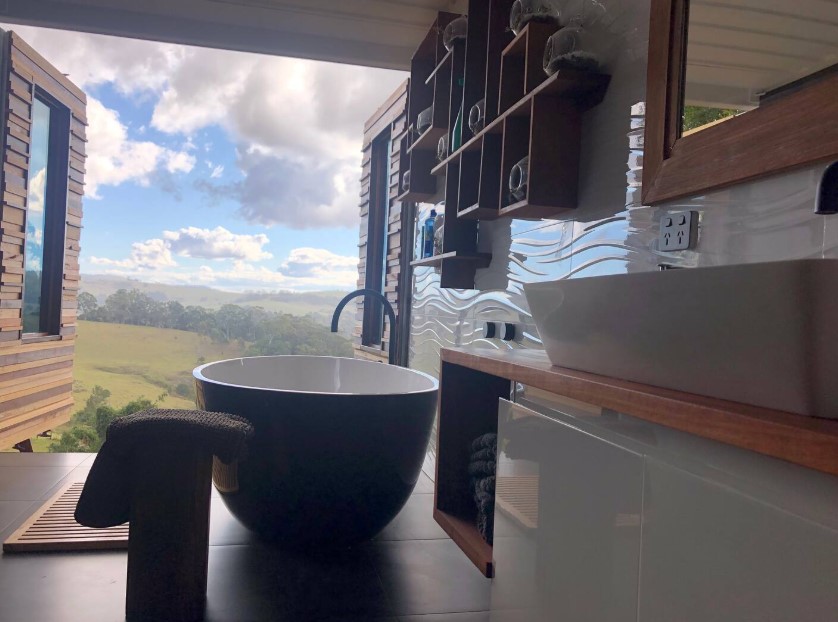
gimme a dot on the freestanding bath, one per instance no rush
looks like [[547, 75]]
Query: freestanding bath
[[337, 449]]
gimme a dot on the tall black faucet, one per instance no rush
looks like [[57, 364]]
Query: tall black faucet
[[391, 316]]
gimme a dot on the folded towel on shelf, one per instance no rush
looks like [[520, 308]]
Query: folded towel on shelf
[[481, 469], [105, 500]]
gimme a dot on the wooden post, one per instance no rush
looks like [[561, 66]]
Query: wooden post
[[168, 543]]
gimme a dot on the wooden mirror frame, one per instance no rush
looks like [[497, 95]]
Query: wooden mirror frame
[[796, 127]]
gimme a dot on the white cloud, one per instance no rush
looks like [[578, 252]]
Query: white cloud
[[307, 116], [318, 263], [218, 243], [152, 254], [303, 269], [36, 191], [132, 65], [179, 162], [114, 159], [217, 172]]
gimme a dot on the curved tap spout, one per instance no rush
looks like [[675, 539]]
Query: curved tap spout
[[388, 308]]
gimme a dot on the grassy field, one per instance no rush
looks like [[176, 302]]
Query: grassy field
[[140, 361]]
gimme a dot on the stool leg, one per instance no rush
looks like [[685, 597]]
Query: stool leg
[[168, 542]]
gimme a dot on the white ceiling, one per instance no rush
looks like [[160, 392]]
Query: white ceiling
[[377, 33], [739, 49]]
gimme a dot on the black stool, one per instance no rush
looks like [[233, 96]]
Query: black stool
[[155, 470]]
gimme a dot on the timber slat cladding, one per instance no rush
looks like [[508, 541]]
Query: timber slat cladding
[[36, 372], [53, 528]]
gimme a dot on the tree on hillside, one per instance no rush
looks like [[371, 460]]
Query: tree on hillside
[[90, 424], [87, 305], [268, 332]]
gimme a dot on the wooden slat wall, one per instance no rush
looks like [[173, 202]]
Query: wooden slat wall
[[36, 376], [392, 114]]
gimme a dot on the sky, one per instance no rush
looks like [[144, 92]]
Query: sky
[[210, 167]]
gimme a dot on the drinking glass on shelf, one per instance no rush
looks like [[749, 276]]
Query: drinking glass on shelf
[[519, 179], [526, 11], [442, 148], [455, 31], [477, 117], [424, 120]]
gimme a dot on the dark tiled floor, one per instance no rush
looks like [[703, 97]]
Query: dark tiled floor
[[411, 572]]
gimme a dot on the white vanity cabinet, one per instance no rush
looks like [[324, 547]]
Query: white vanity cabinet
[[637, 521], [577, 556], [617, 501]]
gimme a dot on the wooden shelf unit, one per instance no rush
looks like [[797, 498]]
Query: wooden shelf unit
[[430, 83], [471, 381], [527, 114]]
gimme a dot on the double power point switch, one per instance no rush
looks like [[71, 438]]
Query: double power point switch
[[678, 231], [499, 330]]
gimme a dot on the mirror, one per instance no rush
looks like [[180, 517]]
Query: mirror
[[757, 80], [741, 53]]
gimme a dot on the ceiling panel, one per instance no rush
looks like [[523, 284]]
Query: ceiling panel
[[377, 33]]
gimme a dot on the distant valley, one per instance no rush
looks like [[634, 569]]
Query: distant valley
[[318, 304]]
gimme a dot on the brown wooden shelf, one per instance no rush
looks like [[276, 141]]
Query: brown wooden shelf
[[477, 212], [428, 140], [481, 260], [807, 441], [465, 535], [415, 196], [442, 64], [523, 209]]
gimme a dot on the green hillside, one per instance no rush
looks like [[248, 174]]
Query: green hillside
[[141, 361], [295, 303]]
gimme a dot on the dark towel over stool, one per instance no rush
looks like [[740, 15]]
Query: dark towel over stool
[[105, 500], [154, 470]]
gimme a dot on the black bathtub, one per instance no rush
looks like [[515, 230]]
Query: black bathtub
[[338, 444]]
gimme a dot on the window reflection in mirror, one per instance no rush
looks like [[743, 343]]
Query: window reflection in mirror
[[740, 53]]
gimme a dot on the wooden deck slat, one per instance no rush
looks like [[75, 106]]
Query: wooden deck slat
[[53, 528]]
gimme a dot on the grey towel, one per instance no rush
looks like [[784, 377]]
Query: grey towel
[[105, 500]]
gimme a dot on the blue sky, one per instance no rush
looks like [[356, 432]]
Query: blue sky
[[219, 168]]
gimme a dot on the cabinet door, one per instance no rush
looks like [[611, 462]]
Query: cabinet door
[[714, 554], [567, 523]]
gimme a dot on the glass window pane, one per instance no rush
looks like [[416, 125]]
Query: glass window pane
[[36, 217]]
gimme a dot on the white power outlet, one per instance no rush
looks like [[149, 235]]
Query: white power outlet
[[678, 231]]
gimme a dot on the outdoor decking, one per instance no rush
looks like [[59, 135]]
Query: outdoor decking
[[410, 572]]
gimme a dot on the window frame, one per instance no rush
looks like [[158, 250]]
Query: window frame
[[372, 329], [55, 218], [794, 129]]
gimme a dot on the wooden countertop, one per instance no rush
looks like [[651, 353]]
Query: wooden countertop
[[807, 441]]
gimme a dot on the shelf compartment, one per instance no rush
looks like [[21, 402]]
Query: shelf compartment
[[423, 185], [499, 37], [516, 146], [488, 199], [468, 408], [480, 201], [469, 180], [474, 88], [553, 152], [521, 64]]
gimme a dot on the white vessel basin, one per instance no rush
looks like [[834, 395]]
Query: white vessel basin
[[763, 334]]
